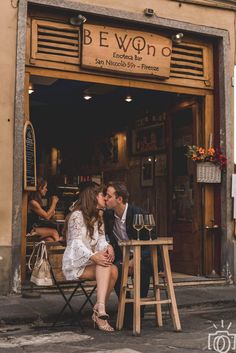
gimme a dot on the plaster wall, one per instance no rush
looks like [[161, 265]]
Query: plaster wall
[[206, 16], [8, 28]]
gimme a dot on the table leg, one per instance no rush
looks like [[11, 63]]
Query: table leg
[[136, 317], [156, 288], [123, 287], [170, 288]]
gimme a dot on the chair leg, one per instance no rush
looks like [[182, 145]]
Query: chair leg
[[88, 296], [75, 318]]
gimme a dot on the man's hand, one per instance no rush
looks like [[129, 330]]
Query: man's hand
[[110, 252], [101, 258]]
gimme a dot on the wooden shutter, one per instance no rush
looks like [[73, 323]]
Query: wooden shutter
[[189, 61], [53, 41]]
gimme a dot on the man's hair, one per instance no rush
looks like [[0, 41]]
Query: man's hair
[[120, 190]]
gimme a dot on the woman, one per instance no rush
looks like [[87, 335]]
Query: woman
[[36, 213], [88, 255]]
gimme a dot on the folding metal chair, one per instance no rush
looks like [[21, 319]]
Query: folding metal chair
[[55, 255]]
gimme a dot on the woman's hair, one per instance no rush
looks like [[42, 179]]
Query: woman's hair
[[35, 195], [87, 204]]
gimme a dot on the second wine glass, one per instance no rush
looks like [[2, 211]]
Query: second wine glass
[[138, 223], [149, 223]]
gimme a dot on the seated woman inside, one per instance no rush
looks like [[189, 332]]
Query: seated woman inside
[[37, 215], [88, 255]]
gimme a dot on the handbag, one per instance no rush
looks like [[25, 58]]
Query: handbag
[[41, 274]]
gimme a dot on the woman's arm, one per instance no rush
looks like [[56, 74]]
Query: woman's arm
[[77, 253], [104, 246], [35, 207]]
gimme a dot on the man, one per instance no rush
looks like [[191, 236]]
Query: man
[[118, 219]]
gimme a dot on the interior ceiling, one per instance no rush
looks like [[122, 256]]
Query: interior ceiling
[[50, 92], [59, 112]]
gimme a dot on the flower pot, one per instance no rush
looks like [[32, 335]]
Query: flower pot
[[208, 172]]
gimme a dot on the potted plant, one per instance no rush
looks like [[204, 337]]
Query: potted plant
[[210, 163]]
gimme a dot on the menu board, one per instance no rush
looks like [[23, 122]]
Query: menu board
[[29, 157]]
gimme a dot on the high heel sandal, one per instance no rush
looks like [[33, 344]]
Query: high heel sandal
[[102, 326], [99, 310]]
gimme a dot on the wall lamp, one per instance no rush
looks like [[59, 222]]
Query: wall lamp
[[177, 38], [77, 20]]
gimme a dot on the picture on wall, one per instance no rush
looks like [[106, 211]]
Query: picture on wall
[[148, 139], [147, 171], [109, 149]]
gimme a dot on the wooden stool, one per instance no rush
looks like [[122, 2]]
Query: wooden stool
[[163, 243]]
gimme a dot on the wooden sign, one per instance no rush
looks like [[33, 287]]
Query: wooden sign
[[126, 51], [29, 158]]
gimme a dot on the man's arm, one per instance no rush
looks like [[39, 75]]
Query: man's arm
[[109, 224]]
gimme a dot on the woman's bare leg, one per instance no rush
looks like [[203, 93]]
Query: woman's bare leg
[[50, 233], [103, 275], [104, 288], [112, 281], [89, 273]]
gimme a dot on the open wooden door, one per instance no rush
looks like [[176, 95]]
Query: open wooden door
[[185, 211]]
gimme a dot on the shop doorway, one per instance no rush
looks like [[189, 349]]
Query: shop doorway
[[108, 138], [185, 211]]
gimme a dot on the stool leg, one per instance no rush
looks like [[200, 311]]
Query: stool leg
[[156, 288], [136, 318], [123, 287], [170, 288]]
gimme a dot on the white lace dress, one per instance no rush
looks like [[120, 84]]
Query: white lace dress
[[80, 247]]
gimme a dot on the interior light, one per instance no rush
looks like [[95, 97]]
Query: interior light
[[128, 99], [177, 38], [87, 97], [31, 88]]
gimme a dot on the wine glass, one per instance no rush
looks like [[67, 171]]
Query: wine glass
[[149, 223], [138, 223]]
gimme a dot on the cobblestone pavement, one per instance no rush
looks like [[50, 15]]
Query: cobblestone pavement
[[196, 327]]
